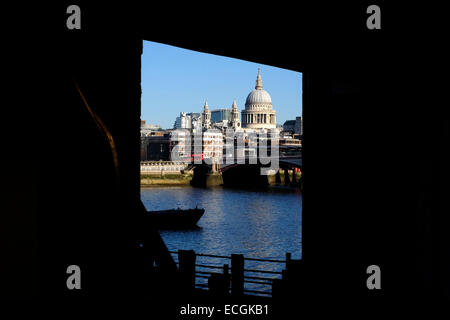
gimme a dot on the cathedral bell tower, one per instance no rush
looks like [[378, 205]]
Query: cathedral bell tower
[[206, 116], [235, 117]]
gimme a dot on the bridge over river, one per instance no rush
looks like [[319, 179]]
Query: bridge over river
[[287, 162], [243, 172]]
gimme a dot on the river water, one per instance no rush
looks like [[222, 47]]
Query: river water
[[258, 224]]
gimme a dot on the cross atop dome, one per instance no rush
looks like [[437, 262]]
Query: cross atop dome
[[259, 85]]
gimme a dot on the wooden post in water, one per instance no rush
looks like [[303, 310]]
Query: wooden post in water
[[294, 273], [288, 259], [285, 272], [226, 276], [237, 274], [219, 284], [186, 259]]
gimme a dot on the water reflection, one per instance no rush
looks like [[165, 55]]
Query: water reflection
[[253, 223]]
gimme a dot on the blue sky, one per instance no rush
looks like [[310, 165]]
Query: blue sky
[[176, 80]]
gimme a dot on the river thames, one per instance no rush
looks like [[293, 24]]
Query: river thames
[[258, 224]]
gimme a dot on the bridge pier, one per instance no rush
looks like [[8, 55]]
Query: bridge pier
[[287, 180], [204, 178], [294, 178], [278, 177], [244, 175]]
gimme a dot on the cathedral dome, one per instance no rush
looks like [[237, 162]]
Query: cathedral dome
[[258, 96], [258, 113]]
